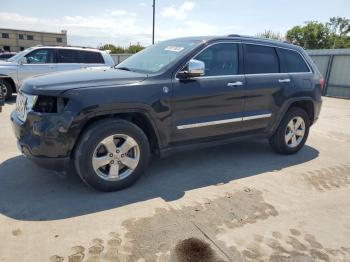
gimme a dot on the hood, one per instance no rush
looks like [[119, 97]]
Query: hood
[[84, 78], [4, 63]]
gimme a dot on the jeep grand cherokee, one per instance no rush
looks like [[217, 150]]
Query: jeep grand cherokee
[[178, 94]]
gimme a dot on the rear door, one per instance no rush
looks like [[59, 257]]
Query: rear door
[[39, 61], [265, 86], [292, 62]]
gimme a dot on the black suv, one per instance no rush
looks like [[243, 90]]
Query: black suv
[[179, 94]]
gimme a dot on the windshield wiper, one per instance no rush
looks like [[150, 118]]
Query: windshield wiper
[[123, 68]]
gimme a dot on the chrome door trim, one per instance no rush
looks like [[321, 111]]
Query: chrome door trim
[[233, 84], [210, 123], [287, 80], [246, 118], [224, 121]]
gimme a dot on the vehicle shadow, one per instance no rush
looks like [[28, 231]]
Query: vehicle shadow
[[33, 194]]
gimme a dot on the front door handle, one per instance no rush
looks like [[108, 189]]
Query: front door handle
[[238, 83], [287, 80]]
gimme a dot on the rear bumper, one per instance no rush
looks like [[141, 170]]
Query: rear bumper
[[317, 110]]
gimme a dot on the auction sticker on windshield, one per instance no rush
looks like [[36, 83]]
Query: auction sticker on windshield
[[174, 48]]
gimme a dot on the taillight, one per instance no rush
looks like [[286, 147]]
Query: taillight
[[322, 84]]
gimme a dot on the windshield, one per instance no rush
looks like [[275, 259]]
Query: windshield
[[19, 55], [156, 57]]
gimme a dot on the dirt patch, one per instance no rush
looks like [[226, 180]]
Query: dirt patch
[[296, 246], [193, 250], [325, 179], [163, 235], [16, 232]]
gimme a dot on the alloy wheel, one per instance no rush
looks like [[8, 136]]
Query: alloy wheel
[[295, 132], [116, 157]]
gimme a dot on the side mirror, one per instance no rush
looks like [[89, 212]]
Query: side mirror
[[194, 68], [23, 61]]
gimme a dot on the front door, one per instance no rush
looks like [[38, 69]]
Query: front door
[[39, 61], [210, 105]]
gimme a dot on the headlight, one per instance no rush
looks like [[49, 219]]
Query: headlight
[[50, 104], [24, 103], [40, 104]]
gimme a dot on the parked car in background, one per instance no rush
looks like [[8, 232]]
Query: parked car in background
[[178, 94], [2, 99], [47, 59], [6, 55]]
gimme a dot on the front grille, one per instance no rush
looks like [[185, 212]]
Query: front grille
[[21, 105]]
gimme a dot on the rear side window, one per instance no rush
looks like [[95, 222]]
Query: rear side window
[[68, 56], [260, 59], [291, 61], [89, 57]]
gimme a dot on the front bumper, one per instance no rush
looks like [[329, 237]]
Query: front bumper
[[44, 139]]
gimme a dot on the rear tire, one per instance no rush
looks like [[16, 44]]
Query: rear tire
[[6, 89], [292, 132], [112, 155]]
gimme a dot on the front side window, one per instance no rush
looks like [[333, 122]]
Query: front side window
[[40, 56], [291, 61], [260, 59], [220, 59]]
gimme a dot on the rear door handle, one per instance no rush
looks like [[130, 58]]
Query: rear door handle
[[287, 80], [238, 83]]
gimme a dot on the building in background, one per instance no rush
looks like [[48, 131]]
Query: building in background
[[13, 40]]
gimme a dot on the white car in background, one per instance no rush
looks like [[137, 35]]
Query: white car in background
[[47, 59]]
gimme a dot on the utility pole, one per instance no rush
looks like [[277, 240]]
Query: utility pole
[[154, 17]]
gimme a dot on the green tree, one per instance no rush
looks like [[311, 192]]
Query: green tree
[[339, 28], [132, 49], [269, 34], [316, 35], [113, 49]]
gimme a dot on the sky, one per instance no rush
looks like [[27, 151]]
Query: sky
[[93, 23]]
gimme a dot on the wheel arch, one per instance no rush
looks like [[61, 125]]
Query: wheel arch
[[10, 80], [306, 103], [139, 118]]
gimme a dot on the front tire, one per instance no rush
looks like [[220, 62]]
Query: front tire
[[112, 155], [292, 132]]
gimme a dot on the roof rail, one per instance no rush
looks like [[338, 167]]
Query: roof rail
[[233, 35]]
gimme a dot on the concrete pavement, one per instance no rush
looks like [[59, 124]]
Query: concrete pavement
[[246, 202]]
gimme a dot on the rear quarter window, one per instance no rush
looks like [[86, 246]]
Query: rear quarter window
[[260, 59], [89, 57], [292, 61], [79, 57]]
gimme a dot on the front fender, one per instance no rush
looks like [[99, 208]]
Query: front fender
[[83, 118]]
